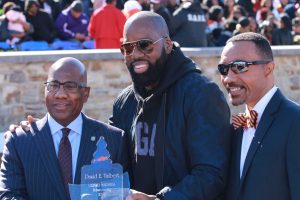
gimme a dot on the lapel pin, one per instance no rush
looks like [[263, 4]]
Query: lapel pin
[[93, 138]]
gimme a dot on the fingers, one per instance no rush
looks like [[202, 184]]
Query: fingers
[[12, 127], [31, 119], [25, 125]]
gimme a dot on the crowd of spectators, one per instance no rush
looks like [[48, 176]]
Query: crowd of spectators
[[192, 23]]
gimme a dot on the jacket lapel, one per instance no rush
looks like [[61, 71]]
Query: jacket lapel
[[234, 181], [44, 143], [88, 144], [263, 127]]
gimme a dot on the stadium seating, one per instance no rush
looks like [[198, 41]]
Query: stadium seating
[[34, 46]]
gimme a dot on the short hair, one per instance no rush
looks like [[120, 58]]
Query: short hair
[[261, 43], [214, 12], [29, 3]]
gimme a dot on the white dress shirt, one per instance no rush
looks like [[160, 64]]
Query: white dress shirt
[[249, 133], [74, 137]]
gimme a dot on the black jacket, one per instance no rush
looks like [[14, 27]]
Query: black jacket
[[188, 25], [44, 27], [192, 140]]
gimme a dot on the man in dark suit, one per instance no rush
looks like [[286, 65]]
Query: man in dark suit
[[265, 155], [34, 162]]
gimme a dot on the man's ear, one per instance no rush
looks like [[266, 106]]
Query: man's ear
[[168, 45], [269, 68], [86, 94]]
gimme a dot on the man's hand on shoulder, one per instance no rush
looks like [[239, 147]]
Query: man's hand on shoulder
[[25, 125]]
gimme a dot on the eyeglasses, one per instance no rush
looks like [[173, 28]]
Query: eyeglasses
[[144, 45], [69, 86], [238, 66]]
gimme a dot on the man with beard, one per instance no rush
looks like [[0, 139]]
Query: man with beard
[[265, 160], [177, 120]]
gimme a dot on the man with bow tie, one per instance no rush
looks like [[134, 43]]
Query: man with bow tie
[[265, 154]]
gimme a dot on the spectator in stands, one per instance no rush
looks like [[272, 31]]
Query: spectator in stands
[[283, 35], [106, 26], [229, 27], [247, 5], [279, 8], [16, 21], [158, 7], [238, 12], [264, 11], [43, 24], [15, 2], [266, 29], [53, 8], [72, 23], [131, 7], [253, 24], [215, 24], [189, 25], [5, 34], [296, 30], [243, 26], [216, 19], [228, 9]]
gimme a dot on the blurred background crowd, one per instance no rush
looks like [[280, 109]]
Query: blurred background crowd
[[76, 24]]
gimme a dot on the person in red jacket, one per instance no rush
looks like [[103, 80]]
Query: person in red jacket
[[106, 26]]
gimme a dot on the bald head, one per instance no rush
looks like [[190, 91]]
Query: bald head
[[69, 64], [146, 20]]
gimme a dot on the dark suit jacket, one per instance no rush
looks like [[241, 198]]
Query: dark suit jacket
[[272, 166], [30, 166]]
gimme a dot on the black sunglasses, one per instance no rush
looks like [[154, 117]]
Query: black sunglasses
[[239, 66], [144, 45]]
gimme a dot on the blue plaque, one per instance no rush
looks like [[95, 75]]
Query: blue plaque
[[102, 180]]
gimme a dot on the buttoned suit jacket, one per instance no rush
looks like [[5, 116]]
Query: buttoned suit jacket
[[272, 166], [30, 168]]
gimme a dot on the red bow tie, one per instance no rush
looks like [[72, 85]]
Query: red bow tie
[[242, 120]]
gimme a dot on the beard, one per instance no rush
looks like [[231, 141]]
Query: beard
[[152, 75]]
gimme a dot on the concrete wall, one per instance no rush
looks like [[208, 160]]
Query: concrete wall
[[22, 75]]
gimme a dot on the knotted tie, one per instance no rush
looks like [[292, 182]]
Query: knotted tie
[[242, 120], [65, 159]]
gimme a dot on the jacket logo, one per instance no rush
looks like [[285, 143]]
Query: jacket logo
[[145, 139], [196, 18]]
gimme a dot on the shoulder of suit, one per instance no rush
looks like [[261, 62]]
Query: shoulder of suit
[[291, 107]]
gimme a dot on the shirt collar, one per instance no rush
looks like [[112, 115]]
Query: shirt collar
[[263, 102], [75, 125]]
